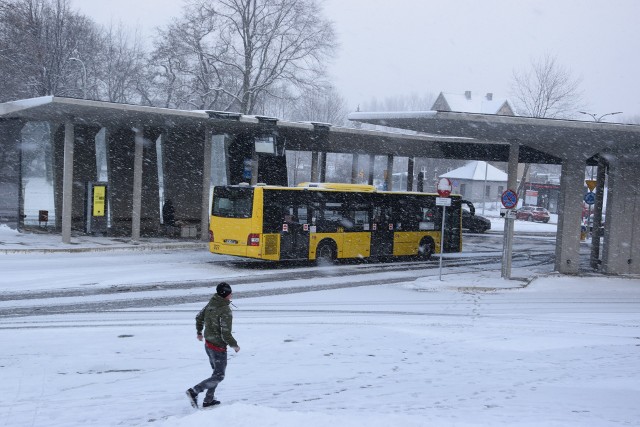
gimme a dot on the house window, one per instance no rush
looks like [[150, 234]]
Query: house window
[[487, 191], [500, 190]]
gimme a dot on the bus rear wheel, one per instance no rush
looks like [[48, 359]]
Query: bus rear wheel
[[426, 249], [325, 254]]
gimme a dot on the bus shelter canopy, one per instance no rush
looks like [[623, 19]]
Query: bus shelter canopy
[[547, 138], [302, 136]]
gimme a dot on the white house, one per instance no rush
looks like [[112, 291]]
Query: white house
[[478, 181], [465, 103]]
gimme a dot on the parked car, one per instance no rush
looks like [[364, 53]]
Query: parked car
[[472, 222], [533, 213]]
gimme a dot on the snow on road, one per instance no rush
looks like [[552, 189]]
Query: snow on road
[[470, 350]]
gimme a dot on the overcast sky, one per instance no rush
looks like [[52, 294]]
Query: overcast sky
[[400, 47]]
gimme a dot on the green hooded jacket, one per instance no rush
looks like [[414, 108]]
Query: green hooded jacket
[[217, 319]]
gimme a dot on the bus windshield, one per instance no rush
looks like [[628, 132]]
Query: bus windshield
[[232, 202]]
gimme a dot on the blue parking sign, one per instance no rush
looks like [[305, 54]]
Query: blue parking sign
[[509, 199]]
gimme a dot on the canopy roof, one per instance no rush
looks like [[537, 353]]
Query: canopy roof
[[548, 138], [303, 136]]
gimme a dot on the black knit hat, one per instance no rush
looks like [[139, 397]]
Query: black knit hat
[[223, 289]]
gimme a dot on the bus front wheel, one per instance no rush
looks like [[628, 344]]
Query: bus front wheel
[[325, 254], [426, 249]]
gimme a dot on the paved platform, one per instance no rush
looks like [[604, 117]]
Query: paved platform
[[12, 241]]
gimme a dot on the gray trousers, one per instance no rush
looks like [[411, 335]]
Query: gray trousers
[[218, 360]]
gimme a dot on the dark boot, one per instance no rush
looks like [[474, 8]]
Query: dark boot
[[193, 397], [209, 404]]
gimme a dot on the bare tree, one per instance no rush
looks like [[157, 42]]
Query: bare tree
[[230, 54], [122, 62], [46, 49], [546, 89], [187, 74], [320, 105]]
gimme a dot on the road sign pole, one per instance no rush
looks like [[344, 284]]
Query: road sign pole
[[444, 211], [510, 201], [507, 248], [444, 189]]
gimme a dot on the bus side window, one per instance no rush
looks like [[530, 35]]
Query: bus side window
[[377, 214], [361, 219], [302, 215], [288, 215], [426, 222], [382, 215]]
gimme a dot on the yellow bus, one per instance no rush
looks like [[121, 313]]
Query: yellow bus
[[329, 221]]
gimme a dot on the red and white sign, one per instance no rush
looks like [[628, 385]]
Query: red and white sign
[[444, 187], [285, 227]]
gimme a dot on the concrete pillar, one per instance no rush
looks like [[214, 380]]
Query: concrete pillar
[[84, 169], [323, 167], [206, 186], [512, 184], [420, 183], [596, 234], [569, 214], [314, 166], [372, 164], [410, 166], [620, 253], [137, 184], [11, 203], [255, 166], [389, 179], [57, 166], [67, 182], [354, 168]]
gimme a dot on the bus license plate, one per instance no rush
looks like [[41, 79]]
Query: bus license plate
[[233, 242]]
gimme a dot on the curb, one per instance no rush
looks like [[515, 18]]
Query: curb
[[137, 248]]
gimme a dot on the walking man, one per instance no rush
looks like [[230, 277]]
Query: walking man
[[216, 318]]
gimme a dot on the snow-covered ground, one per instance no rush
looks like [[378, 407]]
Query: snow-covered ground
[[470, 350]]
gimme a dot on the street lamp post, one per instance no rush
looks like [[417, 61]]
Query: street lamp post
[[84, 76], [598, 118]]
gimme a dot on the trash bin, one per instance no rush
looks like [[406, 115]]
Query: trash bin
[[583, 232]]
